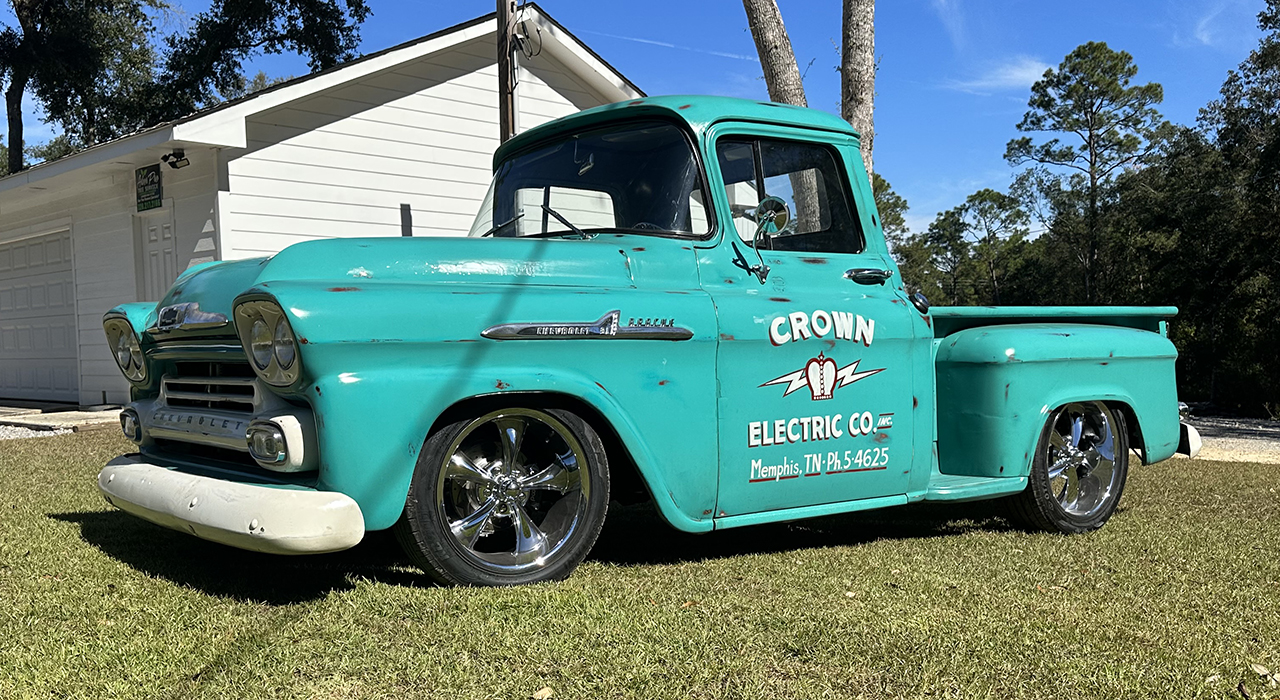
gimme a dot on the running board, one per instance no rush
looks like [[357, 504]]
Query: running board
[[947, 487]]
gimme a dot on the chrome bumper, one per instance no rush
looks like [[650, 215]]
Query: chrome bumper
[[1189, 443], [276, 520]]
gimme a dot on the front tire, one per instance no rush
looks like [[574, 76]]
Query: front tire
[[510, 497], [1079, 470]]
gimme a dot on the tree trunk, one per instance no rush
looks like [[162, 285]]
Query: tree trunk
[[781, 74], [782, 78], [858, 72], [13, 108]]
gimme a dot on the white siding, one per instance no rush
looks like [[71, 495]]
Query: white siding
[[343, 162], [99, 211]]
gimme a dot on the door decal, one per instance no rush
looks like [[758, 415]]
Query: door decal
[[822, 377]]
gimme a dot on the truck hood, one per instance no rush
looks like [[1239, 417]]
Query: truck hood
[[606, 261]]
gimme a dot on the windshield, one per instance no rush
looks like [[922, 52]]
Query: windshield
[[637, 177]]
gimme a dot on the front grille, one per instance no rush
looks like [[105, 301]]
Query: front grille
[[220, 386]]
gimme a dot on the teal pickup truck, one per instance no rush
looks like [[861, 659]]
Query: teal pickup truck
[[683, 299]]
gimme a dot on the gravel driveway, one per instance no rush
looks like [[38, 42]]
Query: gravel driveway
[[9, 432], [1239, 439]]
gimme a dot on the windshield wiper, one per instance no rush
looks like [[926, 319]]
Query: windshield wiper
[[501, 226], [568, 224]]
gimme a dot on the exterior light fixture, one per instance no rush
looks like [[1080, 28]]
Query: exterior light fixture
[[177, 159]]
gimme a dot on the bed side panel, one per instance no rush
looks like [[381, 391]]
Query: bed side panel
[[997, 385]]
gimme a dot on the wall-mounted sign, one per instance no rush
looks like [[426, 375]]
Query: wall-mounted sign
[[150, 192]]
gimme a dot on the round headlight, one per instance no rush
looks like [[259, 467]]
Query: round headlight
[[124, 353], [260, 342], [286, 351]]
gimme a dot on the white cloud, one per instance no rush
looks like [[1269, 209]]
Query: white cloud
[[1224, 24], [668, 45], [952, 20], [1017, 73]]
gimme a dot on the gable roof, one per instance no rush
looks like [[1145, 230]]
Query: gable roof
[[224, 126]]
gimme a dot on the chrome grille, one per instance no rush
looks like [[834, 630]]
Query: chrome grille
[[219, 386]]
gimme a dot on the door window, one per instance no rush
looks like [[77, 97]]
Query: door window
[[807, 177]]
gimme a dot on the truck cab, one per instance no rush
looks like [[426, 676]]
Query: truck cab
[[686, 297]]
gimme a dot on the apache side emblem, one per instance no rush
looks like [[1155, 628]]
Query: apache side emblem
[[822, 376]]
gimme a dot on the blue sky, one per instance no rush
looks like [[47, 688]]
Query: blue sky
[[954, 75]]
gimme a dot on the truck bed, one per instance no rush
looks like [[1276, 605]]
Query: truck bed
[[950, 319]]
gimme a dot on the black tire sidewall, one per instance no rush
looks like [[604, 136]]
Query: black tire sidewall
[[1038, 505], [429, 544]]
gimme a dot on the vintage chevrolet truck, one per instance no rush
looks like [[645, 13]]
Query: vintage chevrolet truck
[[687, 299]]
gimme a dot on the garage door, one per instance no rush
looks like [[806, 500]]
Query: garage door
[[37, 319]]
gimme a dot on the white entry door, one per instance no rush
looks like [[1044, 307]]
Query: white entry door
[[157, 253], [38, 320]]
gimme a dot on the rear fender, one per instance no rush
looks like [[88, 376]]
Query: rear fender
[[998, 384]]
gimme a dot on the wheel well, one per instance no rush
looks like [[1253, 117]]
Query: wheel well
[[626, 484], [1136, 442]]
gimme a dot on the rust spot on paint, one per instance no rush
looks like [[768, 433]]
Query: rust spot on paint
[[728, 281], [1006, 392], [640, 248], [664, 382], [318, 390], [880, 437], [927, 321], [304, 341], [707, 512], [344, 289], [685, 247], [915, 402], [830, 343], [1111, 354], [727, 336], [500, 385], [897, 301], [1002, 469], [636, 102], [687, 107], [779, 299], [814, 261], [1104, 364]]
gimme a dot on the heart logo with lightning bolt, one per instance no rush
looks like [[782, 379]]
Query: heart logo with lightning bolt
[[822, 377]]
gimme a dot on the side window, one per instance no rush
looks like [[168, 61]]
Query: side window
[[807, 177]]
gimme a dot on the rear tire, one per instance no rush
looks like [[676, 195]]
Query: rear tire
[[514, 496], [1079, 471]]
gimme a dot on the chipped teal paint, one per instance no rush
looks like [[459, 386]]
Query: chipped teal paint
[[389, 338]]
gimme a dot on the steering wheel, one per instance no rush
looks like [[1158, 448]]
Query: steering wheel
[[646, 226]]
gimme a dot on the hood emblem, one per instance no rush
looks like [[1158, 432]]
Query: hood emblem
[[606, 328], [188, 316]]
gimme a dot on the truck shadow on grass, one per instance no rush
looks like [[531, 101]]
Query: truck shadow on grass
[[632, 536], [637, 535], [238, 574]]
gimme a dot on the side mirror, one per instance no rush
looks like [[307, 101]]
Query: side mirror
[[770, 213]]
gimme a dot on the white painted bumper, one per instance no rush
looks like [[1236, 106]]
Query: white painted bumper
[[248, 516], [1189, 443]]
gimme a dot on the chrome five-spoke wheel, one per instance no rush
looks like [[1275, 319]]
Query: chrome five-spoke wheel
[[512, 496], [1082, 457], [1079, 470]]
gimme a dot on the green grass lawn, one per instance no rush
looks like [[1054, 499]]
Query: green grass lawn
[[1174, 598]]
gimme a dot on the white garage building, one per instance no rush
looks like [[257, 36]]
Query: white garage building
[[395, 143]]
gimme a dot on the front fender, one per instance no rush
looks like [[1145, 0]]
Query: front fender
[[997, 385], [382, 362]]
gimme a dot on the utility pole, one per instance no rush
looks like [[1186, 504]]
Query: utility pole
[[506, 71]]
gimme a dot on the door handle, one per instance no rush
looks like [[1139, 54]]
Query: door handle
[[868, 275]]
